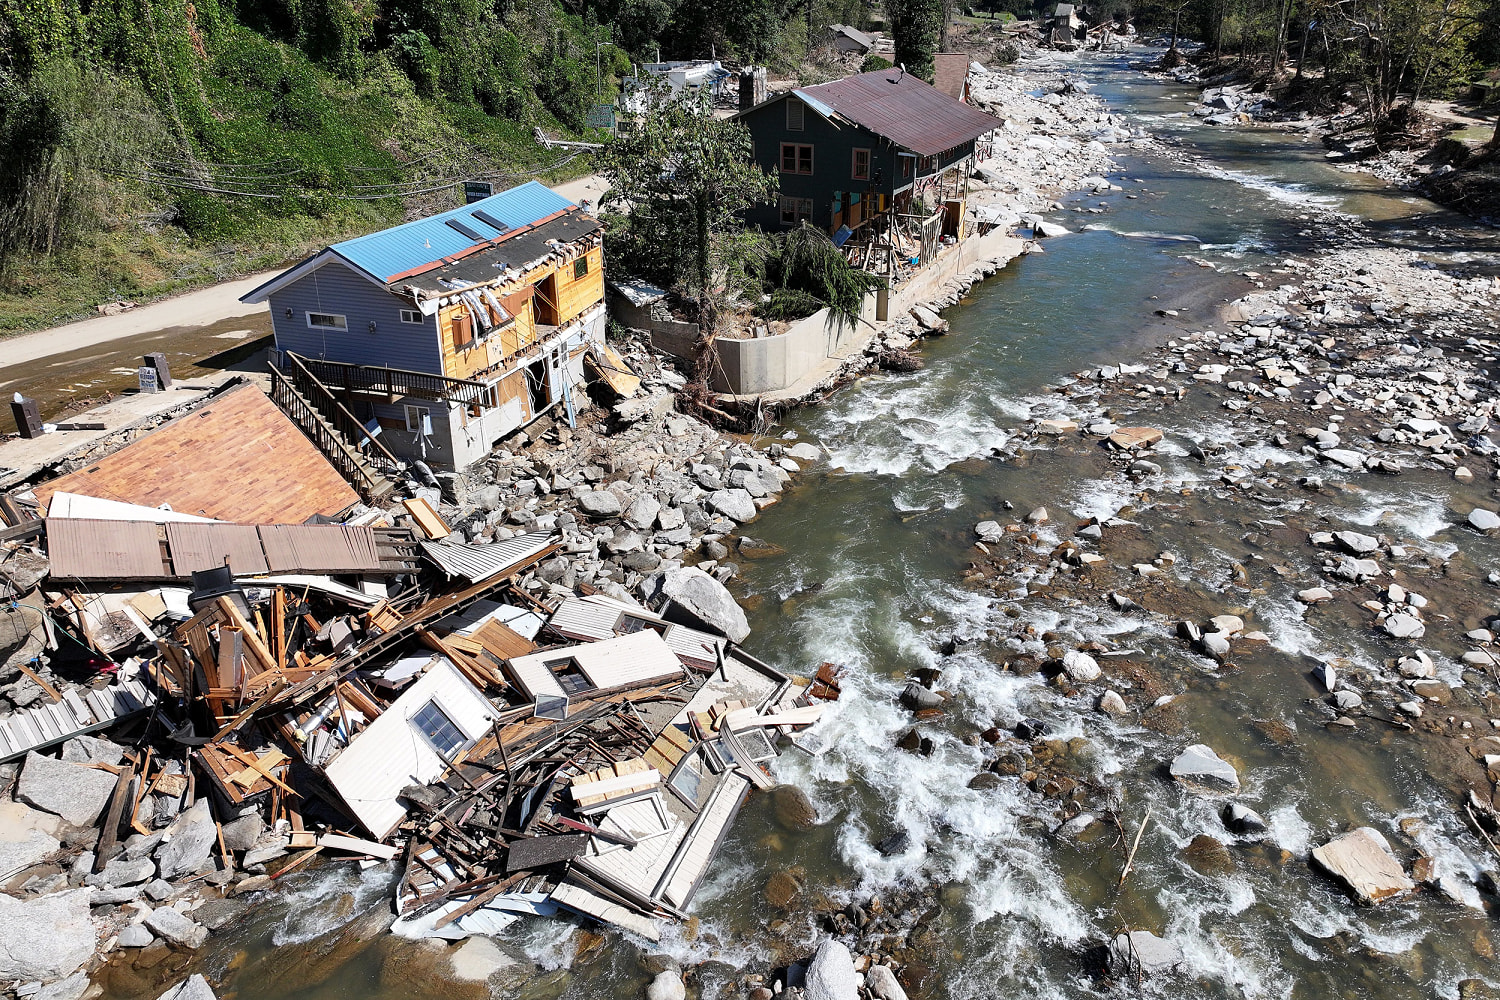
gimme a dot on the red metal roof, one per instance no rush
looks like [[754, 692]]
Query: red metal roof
[[912, 114]]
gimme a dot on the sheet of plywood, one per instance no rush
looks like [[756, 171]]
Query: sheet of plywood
[[427, 518], [236, 459]]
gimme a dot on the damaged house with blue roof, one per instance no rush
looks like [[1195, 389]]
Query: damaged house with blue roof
[[435, 339]]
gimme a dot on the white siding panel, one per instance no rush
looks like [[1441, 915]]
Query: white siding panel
[[391, 754]]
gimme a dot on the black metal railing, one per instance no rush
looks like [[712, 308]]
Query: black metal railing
[[393, 381]]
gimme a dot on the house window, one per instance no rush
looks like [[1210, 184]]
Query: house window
[[327, 321], [929, 164], [580, 268], [569, 675], [629, 624], [418, 419], [906, 166], [432, 722], [795, 210], [411, 316], [861, 171], [795, 110], [796, 158]]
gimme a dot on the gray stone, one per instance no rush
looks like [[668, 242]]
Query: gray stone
[[1403, 626], [989, 531], [1243, 820], [1038, 516], [22, 848], [1080, 667], [159, 889], [1356, 569], [705, 600], [1110, 703], [91, 750], [70, 988], [642, 513], [666, 986], [670, 518], [73, 791], [1142, 953], [882, 983], [1201, 770], [1315, 595], [1347, 701], [830, 973], [176, 928], [1215, 644], [735, 504], [802, 451], [241, 834], [600, 503], [188, 842], [121, 872], [1483, 520], [114, 897], [1349, 459], [1363, 862], [1355, 543], [918, 697], [45, 938], [194, 988], [135, 936]]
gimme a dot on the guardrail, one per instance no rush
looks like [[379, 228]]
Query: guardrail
[[395, 381]]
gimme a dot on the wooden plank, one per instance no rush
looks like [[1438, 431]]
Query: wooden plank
[[300, 860], [260, 769], [502, 641], [51, 691], [109, 834], [426, 517], [336, 842], [254, 643]]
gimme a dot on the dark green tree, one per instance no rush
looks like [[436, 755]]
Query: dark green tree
[[915, 25]]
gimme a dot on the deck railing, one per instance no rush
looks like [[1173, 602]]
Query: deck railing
[[395, 381], [352, 465]]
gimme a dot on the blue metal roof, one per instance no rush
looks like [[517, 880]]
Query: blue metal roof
[[422, 241]]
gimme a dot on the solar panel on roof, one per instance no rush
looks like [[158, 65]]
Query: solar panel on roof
[[468, 231], [491, 221]]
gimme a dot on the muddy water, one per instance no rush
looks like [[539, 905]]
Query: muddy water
[[877, 541], [65, 384]]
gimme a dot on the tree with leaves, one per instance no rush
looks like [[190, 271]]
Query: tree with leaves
[[915, 26], [680, 180]]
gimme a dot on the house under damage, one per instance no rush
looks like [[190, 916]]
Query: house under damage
[[349, 687]]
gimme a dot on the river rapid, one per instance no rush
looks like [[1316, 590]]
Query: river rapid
[[878, 541]]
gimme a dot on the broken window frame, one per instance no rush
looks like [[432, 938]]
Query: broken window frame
[[855, 171], [569, 675], [339, 322], [420, 412], [629, 624], [801, 159], [443, 751]]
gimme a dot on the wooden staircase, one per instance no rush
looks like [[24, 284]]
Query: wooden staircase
[[329, 424]]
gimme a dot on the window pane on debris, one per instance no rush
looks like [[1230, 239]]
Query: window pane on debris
[[689, 778], [569, 676], [756, 744], [434, 723], [630, 624]]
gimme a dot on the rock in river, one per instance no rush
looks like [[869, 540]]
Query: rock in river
[[882, 983], [1135, 438], [989, 531], [1363, 862], [1401, 626], [1483, 520], [735, 504], [1241, 819], [830, 974], [1202, 770], [705, 600], [1080, 667], [194, 987], [1141, 952]]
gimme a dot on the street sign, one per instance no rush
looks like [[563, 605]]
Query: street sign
[[477, 191]]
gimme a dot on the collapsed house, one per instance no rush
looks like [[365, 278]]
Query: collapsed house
[[436, 338], [347, 686]]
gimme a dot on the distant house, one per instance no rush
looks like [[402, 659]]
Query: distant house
[[847, 39], [436, 338], [884, 155], [951, 74], [680, 76]]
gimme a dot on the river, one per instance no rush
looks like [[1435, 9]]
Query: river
[[878, 538]]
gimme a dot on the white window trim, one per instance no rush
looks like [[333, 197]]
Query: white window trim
[[410, 409], [342, 324], [468, 741], [412, 316]]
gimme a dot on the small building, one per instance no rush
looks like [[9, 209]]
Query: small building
[[880, 160], [680, 76], [436, 338], [846, 39]]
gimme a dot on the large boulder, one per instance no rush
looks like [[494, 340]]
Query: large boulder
[[26, 837], [704, 600], [194, 987], [666, 986], [47, 937], [883, 984], [830, 974], [1080, 667], [1142, 953], [735, 504], [75, 792], [1202, 770], [176, 928], [188, 842], [600, 503], [1363, 862]]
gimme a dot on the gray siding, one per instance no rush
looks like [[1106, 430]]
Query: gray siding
[[334, 288]]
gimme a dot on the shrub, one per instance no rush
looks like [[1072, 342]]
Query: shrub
[[873, 62]]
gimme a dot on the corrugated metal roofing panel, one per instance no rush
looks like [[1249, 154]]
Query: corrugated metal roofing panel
[[401, 248], [480, 562], [197, 547], [903, 109], [86, 549], [319, 548]]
